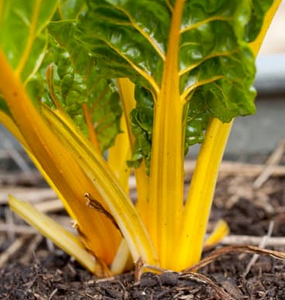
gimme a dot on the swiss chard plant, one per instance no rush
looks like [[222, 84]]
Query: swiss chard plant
[[98, 90]]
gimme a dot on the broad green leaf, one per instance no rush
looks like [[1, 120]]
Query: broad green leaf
[[196, 124], [259, 8], [216, 66], [78, 81], [23, 37], [130, 38]]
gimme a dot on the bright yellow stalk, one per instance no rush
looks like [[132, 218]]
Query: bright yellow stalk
[[6, 121], [199, 199], [142, 187], [119, 154], [220, 231], [50, 229], [9, 124], [98, 232], [121, 151], [117, 160], [98, 171], [257, 43], [127, 93], [120, 261], [166, 177]]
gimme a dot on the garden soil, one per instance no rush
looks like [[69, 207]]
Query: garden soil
[[255, 216]]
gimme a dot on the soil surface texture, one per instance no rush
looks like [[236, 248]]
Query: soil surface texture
[[36, 269]]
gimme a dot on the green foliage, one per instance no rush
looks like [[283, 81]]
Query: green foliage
[[118, 46], [77, 80], [23, 38], [258, 10], [130, 39], [22, 24], [216, 67]]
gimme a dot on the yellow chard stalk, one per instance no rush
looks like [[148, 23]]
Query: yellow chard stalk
[[59, 164], [199, 199], [98, 171], [60, 236], [166, 179]]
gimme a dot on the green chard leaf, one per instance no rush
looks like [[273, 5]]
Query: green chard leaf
[[259, 8], [128, 38], [215, 63], [77, 81], [216, 67], [23, 38]]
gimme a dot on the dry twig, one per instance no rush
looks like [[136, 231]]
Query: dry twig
[[31, 194], [272, 161], [252, 240], [262, 244], [235, 249], [14, 247], [201, 278]]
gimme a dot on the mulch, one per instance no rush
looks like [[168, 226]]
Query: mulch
[[39, 270]]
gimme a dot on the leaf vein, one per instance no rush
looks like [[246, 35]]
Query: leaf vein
[[198, 24], [193, 66], [143, 73], [144, 34], [191, 88], [169, 5]]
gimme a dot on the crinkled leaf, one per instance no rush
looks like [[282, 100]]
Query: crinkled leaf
[[78, 81], [196, 123], [216, 68], [214, 57], [259, 8], [128, 38]]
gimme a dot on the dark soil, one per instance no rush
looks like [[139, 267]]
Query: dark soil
[[48, 273], [56, 277]]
